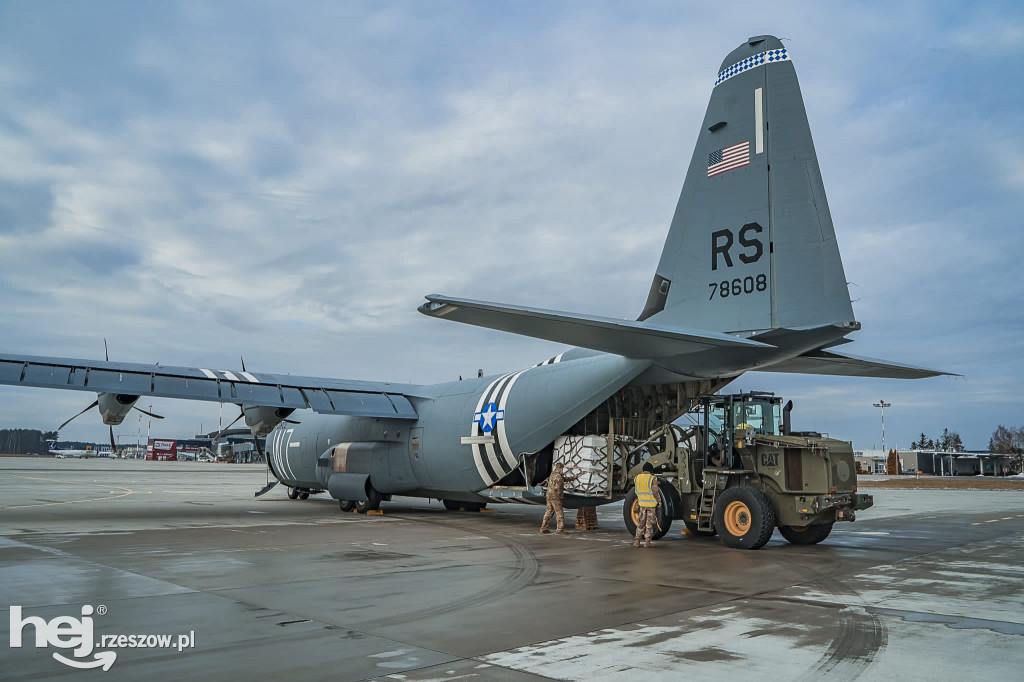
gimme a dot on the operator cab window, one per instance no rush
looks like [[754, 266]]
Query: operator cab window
[[764, 417], [715, 425]]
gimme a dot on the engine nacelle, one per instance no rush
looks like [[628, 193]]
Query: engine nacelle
[[114, 407], [261, 419]]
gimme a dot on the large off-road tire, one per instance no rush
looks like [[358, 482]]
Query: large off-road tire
[[293, 494], [744, 518], [346, 505], [370, 504], [806, 535], [631, 512]]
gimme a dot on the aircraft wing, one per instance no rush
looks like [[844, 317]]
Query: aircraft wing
[[838, 364], [621, 337], [326, 396]]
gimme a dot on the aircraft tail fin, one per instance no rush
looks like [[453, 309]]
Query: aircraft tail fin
[[751, 246]]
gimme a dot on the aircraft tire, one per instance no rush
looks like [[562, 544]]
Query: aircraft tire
[[744, 518], [806, 535], [346, 505], [370, 504], [631, 510], [452, 505], [303, 496], [293, 494]]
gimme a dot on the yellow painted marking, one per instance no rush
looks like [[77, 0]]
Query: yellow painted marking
[[128, 491], [91, 499]]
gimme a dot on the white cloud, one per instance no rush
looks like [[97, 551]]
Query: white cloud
[[289, 184]]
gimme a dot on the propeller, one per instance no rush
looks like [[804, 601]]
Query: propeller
[[226, 428], [256, 441], [96, 403], [148, 414]]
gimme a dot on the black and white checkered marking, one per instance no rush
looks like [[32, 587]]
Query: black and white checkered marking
[[752, 62]]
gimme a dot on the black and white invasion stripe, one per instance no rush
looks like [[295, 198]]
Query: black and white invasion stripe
[[496, 460], [551, 361]]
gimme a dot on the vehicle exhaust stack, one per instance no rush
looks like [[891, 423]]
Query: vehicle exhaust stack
[[787, 424]]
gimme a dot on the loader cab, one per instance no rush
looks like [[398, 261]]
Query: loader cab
[[727, 418]]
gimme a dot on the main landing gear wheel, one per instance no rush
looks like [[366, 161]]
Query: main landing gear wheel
[[293, 494], [346, 505], [631, 515], [303, 496], [806, 535], [371, 503], [744, 518], [452, 505]]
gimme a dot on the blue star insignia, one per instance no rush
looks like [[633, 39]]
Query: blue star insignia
[[489, 417]]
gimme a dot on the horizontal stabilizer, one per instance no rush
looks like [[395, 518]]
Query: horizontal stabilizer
[[836, 364], [621, 337]]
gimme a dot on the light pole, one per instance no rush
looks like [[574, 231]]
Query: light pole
[[882, 404]]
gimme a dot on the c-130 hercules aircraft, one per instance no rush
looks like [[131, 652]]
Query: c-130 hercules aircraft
[[750, 279]]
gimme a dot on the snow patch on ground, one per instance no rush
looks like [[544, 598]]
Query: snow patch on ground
[[720, 644]]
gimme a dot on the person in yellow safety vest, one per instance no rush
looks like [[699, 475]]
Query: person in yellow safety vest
[[648, 498]]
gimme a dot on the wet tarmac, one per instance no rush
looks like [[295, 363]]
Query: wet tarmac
[[928, 585]]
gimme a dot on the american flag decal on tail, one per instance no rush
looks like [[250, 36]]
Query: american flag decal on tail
[[723, 160]]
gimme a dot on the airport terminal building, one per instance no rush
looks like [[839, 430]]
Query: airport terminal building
[[941, 463]]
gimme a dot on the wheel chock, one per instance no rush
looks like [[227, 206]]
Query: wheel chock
[[685, 531], [375, 512], [486, 511], [586, 518]]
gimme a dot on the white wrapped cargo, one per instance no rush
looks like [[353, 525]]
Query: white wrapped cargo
[[585, 457]]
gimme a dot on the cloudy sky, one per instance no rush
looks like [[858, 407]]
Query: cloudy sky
[[285, 181]]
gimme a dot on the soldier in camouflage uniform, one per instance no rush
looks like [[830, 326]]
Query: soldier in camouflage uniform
[[555, 492], [646, 484]]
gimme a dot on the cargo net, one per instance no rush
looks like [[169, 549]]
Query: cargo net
[[586, 459]]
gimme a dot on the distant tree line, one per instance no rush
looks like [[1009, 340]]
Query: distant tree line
[[949, 441], [1007, 441], [24, 441]]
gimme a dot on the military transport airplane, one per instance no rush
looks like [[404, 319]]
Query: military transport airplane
[[750, 279]]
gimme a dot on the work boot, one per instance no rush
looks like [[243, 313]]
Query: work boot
[[636, 543], [544, 531], [648, 544], [561, 531]]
